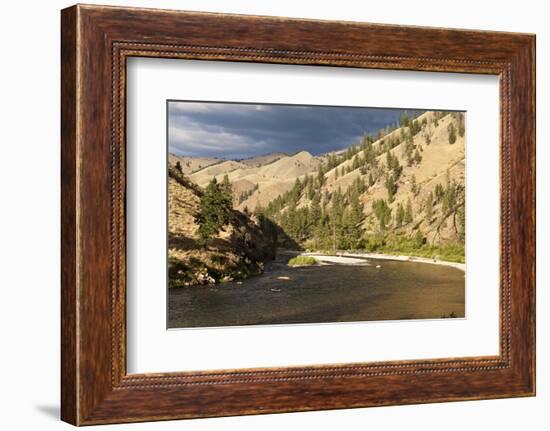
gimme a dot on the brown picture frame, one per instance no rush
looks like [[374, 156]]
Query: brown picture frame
[[95, 43]]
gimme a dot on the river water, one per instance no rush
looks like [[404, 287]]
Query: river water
[[321, 294]]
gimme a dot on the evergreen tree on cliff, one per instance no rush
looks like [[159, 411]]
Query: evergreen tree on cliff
[[214, 210]]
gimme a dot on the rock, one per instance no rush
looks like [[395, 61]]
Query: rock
[[378, 266], [204, 278]]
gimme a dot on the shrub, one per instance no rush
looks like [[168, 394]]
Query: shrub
[[414, 245], [302, 260]]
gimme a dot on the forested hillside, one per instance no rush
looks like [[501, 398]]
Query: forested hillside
[[401, 192]]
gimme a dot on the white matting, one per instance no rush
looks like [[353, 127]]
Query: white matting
[[151, 347]]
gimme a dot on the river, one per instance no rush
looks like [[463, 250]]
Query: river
[[375, 290]]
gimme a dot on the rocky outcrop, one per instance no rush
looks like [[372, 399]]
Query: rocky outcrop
[[237, 252]]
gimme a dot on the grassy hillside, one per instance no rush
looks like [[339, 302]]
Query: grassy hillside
[[261, 179], [189, 165], [400, 193], [259, 161]]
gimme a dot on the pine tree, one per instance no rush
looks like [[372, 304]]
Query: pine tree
[[227, 188], [351, 223], [294, 194], [460, 119], [417, 157], [321, 176], [391, 187], [289, 221], [336, 218], [408, 212], [321, 230], [439, 192], [389, 160], [369, 153], [414, 185], [178, 167], [399, 215], [419, 239], [450, 197], [404, 119], [259, 209], [382, 211], [429, 207], [393, 165], [427, 139], [214, 211], [302, 224], [452, 133], [315, 210], [356, 163], [415, 127]]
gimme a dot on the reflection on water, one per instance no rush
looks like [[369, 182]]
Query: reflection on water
[[332, 293]]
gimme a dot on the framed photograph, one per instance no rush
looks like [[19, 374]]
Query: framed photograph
[[264, 214], [351, 214]]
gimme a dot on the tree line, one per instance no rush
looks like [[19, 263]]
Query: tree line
[[329, 221]]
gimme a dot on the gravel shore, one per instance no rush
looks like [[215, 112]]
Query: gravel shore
[[359, 259]]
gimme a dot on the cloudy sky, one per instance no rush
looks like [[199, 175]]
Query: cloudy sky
[[238, 131]]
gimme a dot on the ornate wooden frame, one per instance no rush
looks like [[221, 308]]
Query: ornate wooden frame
[[95, 42]]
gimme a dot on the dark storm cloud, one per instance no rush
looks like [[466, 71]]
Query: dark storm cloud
[[237, 131]]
